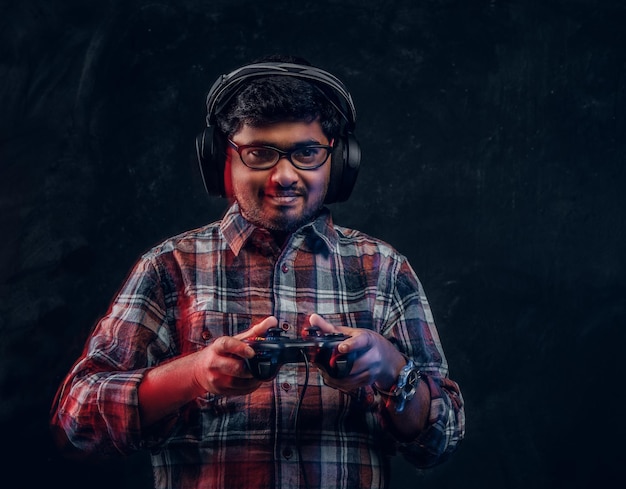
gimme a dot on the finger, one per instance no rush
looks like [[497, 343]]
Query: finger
[[244, 386], [326, 327], [238, 385], [360, 341], [349, 383], [230, 345], [258, 329]]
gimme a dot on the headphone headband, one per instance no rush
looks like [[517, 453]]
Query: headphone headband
[[227, 85]]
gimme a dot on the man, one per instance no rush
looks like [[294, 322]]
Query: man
[[165, 370]]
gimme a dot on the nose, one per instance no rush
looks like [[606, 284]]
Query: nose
[[284, 173]]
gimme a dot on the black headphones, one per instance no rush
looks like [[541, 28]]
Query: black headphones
[[211, 142]]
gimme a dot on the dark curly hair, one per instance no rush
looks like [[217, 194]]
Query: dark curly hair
[[273, 99]]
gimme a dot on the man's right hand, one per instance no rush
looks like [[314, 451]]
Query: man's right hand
[[219, 368]]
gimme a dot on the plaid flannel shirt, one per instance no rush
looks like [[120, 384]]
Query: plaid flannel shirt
[[219, 280]]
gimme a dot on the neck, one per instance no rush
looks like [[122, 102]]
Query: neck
[[280, 237]]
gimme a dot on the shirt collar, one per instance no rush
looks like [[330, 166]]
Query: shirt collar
[[237, 230]]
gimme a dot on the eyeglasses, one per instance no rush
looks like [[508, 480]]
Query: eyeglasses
[[261, 157]]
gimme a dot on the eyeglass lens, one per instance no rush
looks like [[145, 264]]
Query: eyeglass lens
[[305, 157]]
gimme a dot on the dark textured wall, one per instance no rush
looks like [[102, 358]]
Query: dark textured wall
[[493, 142]]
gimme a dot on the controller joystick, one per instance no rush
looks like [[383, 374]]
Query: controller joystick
[[274, 349]]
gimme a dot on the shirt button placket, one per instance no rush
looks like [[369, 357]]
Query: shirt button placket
[[287, 390], [287, 379], [284, 289]]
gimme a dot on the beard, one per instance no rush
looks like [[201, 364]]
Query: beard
[[275, 218], [282, 222]]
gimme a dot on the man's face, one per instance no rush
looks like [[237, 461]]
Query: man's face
[[283, 197]]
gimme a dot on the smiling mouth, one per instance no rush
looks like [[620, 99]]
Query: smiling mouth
[[284, 199]]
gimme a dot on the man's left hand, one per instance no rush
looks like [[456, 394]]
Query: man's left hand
[[377, 361]]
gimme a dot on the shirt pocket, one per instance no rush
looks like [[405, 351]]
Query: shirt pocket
[[205, 326]]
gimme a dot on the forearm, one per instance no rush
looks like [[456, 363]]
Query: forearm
[[413, 419], [431, 422], [408, 417], [444, 426], [166, 388]]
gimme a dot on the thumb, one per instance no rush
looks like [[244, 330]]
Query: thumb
[[326, 327]]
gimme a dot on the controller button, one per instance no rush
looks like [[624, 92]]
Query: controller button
[[314, 331]]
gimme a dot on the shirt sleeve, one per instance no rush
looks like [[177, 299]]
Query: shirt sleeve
[[96, 408], [411, 327]]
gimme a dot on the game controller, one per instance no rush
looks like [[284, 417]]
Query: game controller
[[275, 349]]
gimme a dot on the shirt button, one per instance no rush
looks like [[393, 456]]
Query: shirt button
[[285, 326], [206, 335], [286, 386], [284, 268], [287, 453]]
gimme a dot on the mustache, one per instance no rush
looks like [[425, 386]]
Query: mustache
[[285, 192]]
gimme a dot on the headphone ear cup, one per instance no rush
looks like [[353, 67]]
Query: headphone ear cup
[[212, 160], [353, 159], [344, 169]]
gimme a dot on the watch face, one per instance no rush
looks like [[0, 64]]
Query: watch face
[[412, 378]]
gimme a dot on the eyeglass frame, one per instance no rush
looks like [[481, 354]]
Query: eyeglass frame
[[281, 154]]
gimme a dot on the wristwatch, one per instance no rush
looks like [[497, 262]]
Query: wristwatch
[[405, 387]]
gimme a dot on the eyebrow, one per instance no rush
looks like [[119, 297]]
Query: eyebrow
[[298, 144]]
